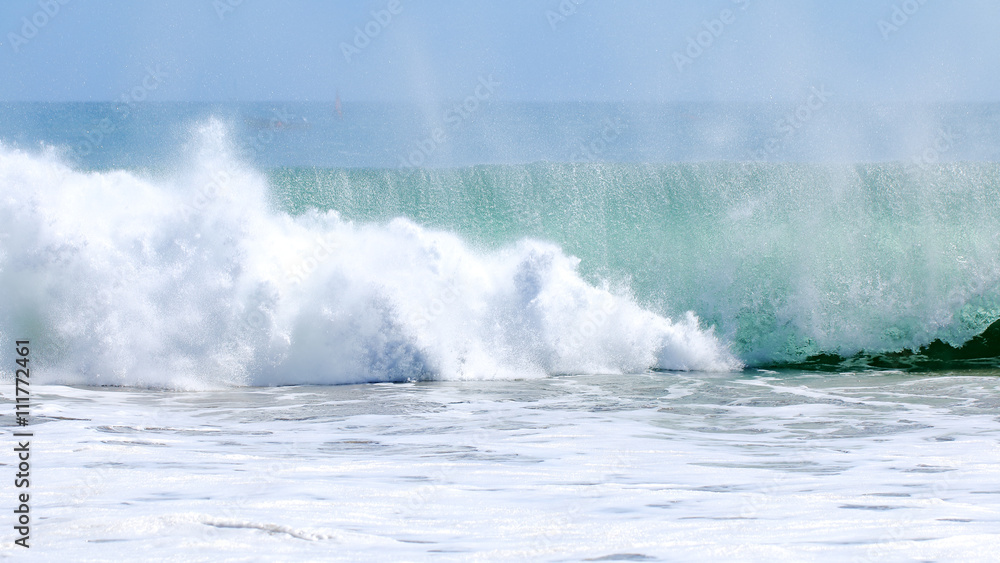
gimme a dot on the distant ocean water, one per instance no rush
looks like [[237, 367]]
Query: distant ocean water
[[667, 259]]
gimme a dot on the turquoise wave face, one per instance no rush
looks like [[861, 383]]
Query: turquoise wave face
[[790, 262]]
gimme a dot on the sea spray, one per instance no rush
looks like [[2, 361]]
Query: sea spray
[[143, 288], [786, 260]]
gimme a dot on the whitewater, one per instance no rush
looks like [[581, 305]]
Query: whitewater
[[195, 281], [213, 273], [874, 466]]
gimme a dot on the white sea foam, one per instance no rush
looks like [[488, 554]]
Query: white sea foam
[[195, 281], [689, 467]]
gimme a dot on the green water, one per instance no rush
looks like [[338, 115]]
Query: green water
[[788, 261]]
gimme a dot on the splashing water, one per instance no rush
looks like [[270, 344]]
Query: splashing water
[[195, 281]]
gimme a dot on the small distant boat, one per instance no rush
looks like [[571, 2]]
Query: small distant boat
[[277, 123], [336, 106]]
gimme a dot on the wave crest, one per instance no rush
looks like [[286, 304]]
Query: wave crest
[[194, 281]]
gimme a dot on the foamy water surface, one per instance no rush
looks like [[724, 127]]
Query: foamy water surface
[[658, 466]]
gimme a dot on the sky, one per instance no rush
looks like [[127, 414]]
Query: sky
[[529, 50]]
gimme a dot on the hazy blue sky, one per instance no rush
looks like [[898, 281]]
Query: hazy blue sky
[[601, 50]]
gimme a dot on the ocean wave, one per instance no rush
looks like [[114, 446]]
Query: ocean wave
[[196, 280], [789, 261]]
